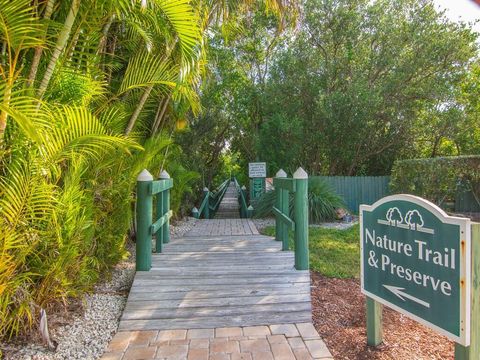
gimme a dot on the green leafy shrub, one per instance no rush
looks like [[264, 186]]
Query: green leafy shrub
[[322, 202], [437, 179]]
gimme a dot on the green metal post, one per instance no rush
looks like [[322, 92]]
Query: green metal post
[[279, 226], [144, 221], [250, 212], [374, 322], [166, 209], [159, 233], [301, 219], [206, 194], [472, 352]]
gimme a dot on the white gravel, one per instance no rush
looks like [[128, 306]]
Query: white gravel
[[263, 223], [86, 336]]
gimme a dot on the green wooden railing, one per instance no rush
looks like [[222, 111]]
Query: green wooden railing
[[298, 185], [210, 202], [245, 210], [147, 188]]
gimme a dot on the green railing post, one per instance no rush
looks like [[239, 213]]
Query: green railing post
[[206, 194], [160, 211], [144, 221], [195, 213], [250, 212], [301, 219], [280, 228], [166, 209], [243, 211]]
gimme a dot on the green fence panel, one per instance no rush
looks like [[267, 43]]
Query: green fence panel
[[466, 202], [357, 190]]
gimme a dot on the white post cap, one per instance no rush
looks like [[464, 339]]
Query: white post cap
[[205, 189], [164, 175], [194, 210], [243, 187], [250, 207], [300, 174], [145, 176], [281, 174]]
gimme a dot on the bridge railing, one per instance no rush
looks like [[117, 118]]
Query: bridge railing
[[147, 189], [298, 185], [210, 202], [245, 210]]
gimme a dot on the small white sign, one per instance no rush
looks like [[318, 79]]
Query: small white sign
[[257, 170]]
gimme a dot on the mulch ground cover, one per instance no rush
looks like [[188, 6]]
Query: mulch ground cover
[[339, 317]]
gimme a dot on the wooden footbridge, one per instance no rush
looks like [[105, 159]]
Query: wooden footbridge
[[222, 274]]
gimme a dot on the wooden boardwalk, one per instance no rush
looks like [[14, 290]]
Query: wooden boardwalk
[[229, 207], [220, 274]]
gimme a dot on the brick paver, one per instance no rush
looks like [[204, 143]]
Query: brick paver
[[256, 331], [277, 342]]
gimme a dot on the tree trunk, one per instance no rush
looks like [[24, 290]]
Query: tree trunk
[[435, 146], [38, 50], [103, 39], [111, 52], [59, 46], [161, 115], [157, 115], [3, 114], [3, 54], [138, 109]]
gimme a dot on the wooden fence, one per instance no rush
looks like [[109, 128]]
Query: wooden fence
[[466, 202], [357, 190]]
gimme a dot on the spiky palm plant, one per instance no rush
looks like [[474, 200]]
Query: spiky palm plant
[[322, 202]]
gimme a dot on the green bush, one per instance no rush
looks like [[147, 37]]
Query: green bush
[[437, 179], [322, 202]]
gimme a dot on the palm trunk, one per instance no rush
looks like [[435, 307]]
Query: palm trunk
[[157, 115], [3, 114], [138, 109], [4, 53], [160, 114], [103, 40], [38, 50], [59, 46], [111, 52]]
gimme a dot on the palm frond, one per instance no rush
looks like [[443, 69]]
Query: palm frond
[[22, 109], [184, 22], [19, 25], [77, 131], [145, 69]]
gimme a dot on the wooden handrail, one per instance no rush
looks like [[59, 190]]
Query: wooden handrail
[[298, 185], [206, 209], [147, 189]]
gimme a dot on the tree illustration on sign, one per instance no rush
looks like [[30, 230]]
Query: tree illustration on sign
[[414, 219], [394, 216]]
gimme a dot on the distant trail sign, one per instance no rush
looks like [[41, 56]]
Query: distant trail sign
[[416, 259], [257, 170]]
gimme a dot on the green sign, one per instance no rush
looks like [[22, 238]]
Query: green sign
[[416, 259], [257, 187]]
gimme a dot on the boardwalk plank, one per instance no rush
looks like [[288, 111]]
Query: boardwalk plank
[[221, 273]]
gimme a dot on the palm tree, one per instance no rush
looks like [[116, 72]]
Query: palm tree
[[19, 29], [59, 47]]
